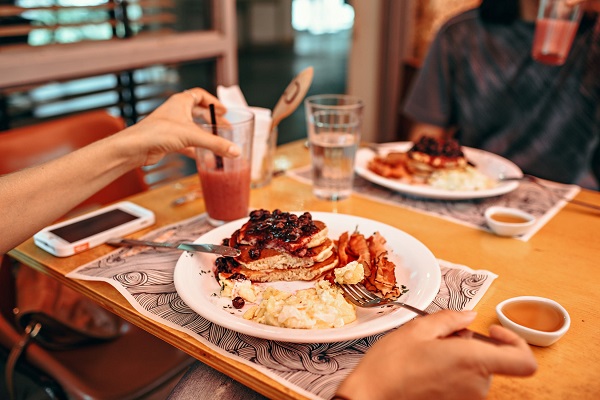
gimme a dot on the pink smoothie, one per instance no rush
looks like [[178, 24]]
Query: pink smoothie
[[226, 192], [552, 40]]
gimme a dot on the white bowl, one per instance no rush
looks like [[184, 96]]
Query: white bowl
[[522, 314], [506, 221]]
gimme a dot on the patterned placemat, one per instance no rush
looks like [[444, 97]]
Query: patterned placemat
[[542, 202], [145, 277]]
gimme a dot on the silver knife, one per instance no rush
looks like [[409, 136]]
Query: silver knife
[[204, 248]]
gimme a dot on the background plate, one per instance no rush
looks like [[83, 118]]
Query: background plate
[[487, 163], [416, 267]]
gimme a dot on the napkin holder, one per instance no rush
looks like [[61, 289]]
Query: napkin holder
[[264, 141]]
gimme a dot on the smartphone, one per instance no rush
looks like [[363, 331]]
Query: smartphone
[[93, 229]]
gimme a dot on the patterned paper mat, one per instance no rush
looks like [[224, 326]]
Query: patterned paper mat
[[145, 277], [529, 197]]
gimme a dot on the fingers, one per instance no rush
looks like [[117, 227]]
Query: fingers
[[506, 336], [203, 99], [515, 358], [443, 323], [216, 144]]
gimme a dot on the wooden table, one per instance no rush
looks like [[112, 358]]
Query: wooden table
[[561, 261]]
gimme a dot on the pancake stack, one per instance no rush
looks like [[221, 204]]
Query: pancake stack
[[279, 246], [429, 155]]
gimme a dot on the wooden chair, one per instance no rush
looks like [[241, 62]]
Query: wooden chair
[[136, 365]]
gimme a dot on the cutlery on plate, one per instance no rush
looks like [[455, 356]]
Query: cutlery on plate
[[203, 248], [360, 296], [554, 196], [378, 148]]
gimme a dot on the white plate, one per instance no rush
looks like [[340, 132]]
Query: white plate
[[489, 164], [416, 267]]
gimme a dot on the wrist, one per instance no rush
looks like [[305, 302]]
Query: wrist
[[127, 148]]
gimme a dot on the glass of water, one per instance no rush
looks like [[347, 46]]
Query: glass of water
[[334, 127]]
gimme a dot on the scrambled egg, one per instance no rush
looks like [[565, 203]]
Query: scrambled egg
[[468, 178], [352, 273], [320, 307], [243, 288]]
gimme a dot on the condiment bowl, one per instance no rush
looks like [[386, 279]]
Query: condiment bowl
[[507, 221], [538, 320]]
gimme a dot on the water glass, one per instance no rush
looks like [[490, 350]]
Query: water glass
[[555, 29], [334, 127], [226, 181]]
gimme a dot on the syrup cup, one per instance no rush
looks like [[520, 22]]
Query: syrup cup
[[525, 313], [507, 221]]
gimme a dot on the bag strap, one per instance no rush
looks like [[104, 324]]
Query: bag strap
[[70, 320], [30, 332]]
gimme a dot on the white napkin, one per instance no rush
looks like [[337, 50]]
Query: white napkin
[[232, 96]]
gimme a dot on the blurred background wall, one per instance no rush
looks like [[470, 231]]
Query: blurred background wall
[[64, 56]]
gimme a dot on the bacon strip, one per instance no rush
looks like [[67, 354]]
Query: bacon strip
[[377, 245], [342, 246], [380, 275], [360, 248]]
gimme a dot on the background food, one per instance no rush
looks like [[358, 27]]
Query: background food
[[440, 164]]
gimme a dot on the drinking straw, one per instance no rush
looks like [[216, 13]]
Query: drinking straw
[[213, 121]]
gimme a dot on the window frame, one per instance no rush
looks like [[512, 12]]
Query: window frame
[[23, 65]]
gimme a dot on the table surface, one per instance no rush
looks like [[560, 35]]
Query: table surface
[[561, 262]]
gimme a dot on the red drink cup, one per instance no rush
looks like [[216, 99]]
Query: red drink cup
[[555, 29], [226, 181]]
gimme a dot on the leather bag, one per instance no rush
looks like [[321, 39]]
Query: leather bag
[[56, 317]]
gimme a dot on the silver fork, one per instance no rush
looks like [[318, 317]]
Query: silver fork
[[554, 196], [360, 296]]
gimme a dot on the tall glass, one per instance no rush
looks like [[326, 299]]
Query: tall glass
[[226, 181], [555, 29], [334, 123]]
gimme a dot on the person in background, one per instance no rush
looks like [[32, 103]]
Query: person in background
[[480, 85], [419, 360]]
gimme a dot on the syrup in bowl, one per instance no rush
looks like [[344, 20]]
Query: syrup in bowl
[[507, 221], [538, 320], [509, 218], [534, 315]]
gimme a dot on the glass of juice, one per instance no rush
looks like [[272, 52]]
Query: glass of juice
[[334, 124], [226, 181], [555, 29]]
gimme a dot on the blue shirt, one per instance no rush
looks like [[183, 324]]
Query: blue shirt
[[481, 78]]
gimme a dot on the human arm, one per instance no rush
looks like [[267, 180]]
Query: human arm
[[588, 5], [37, 196], [421, 361], [429, 102]]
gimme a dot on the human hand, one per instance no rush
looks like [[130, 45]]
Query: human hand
[[171, 128], [588, 5], [420, 360]]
